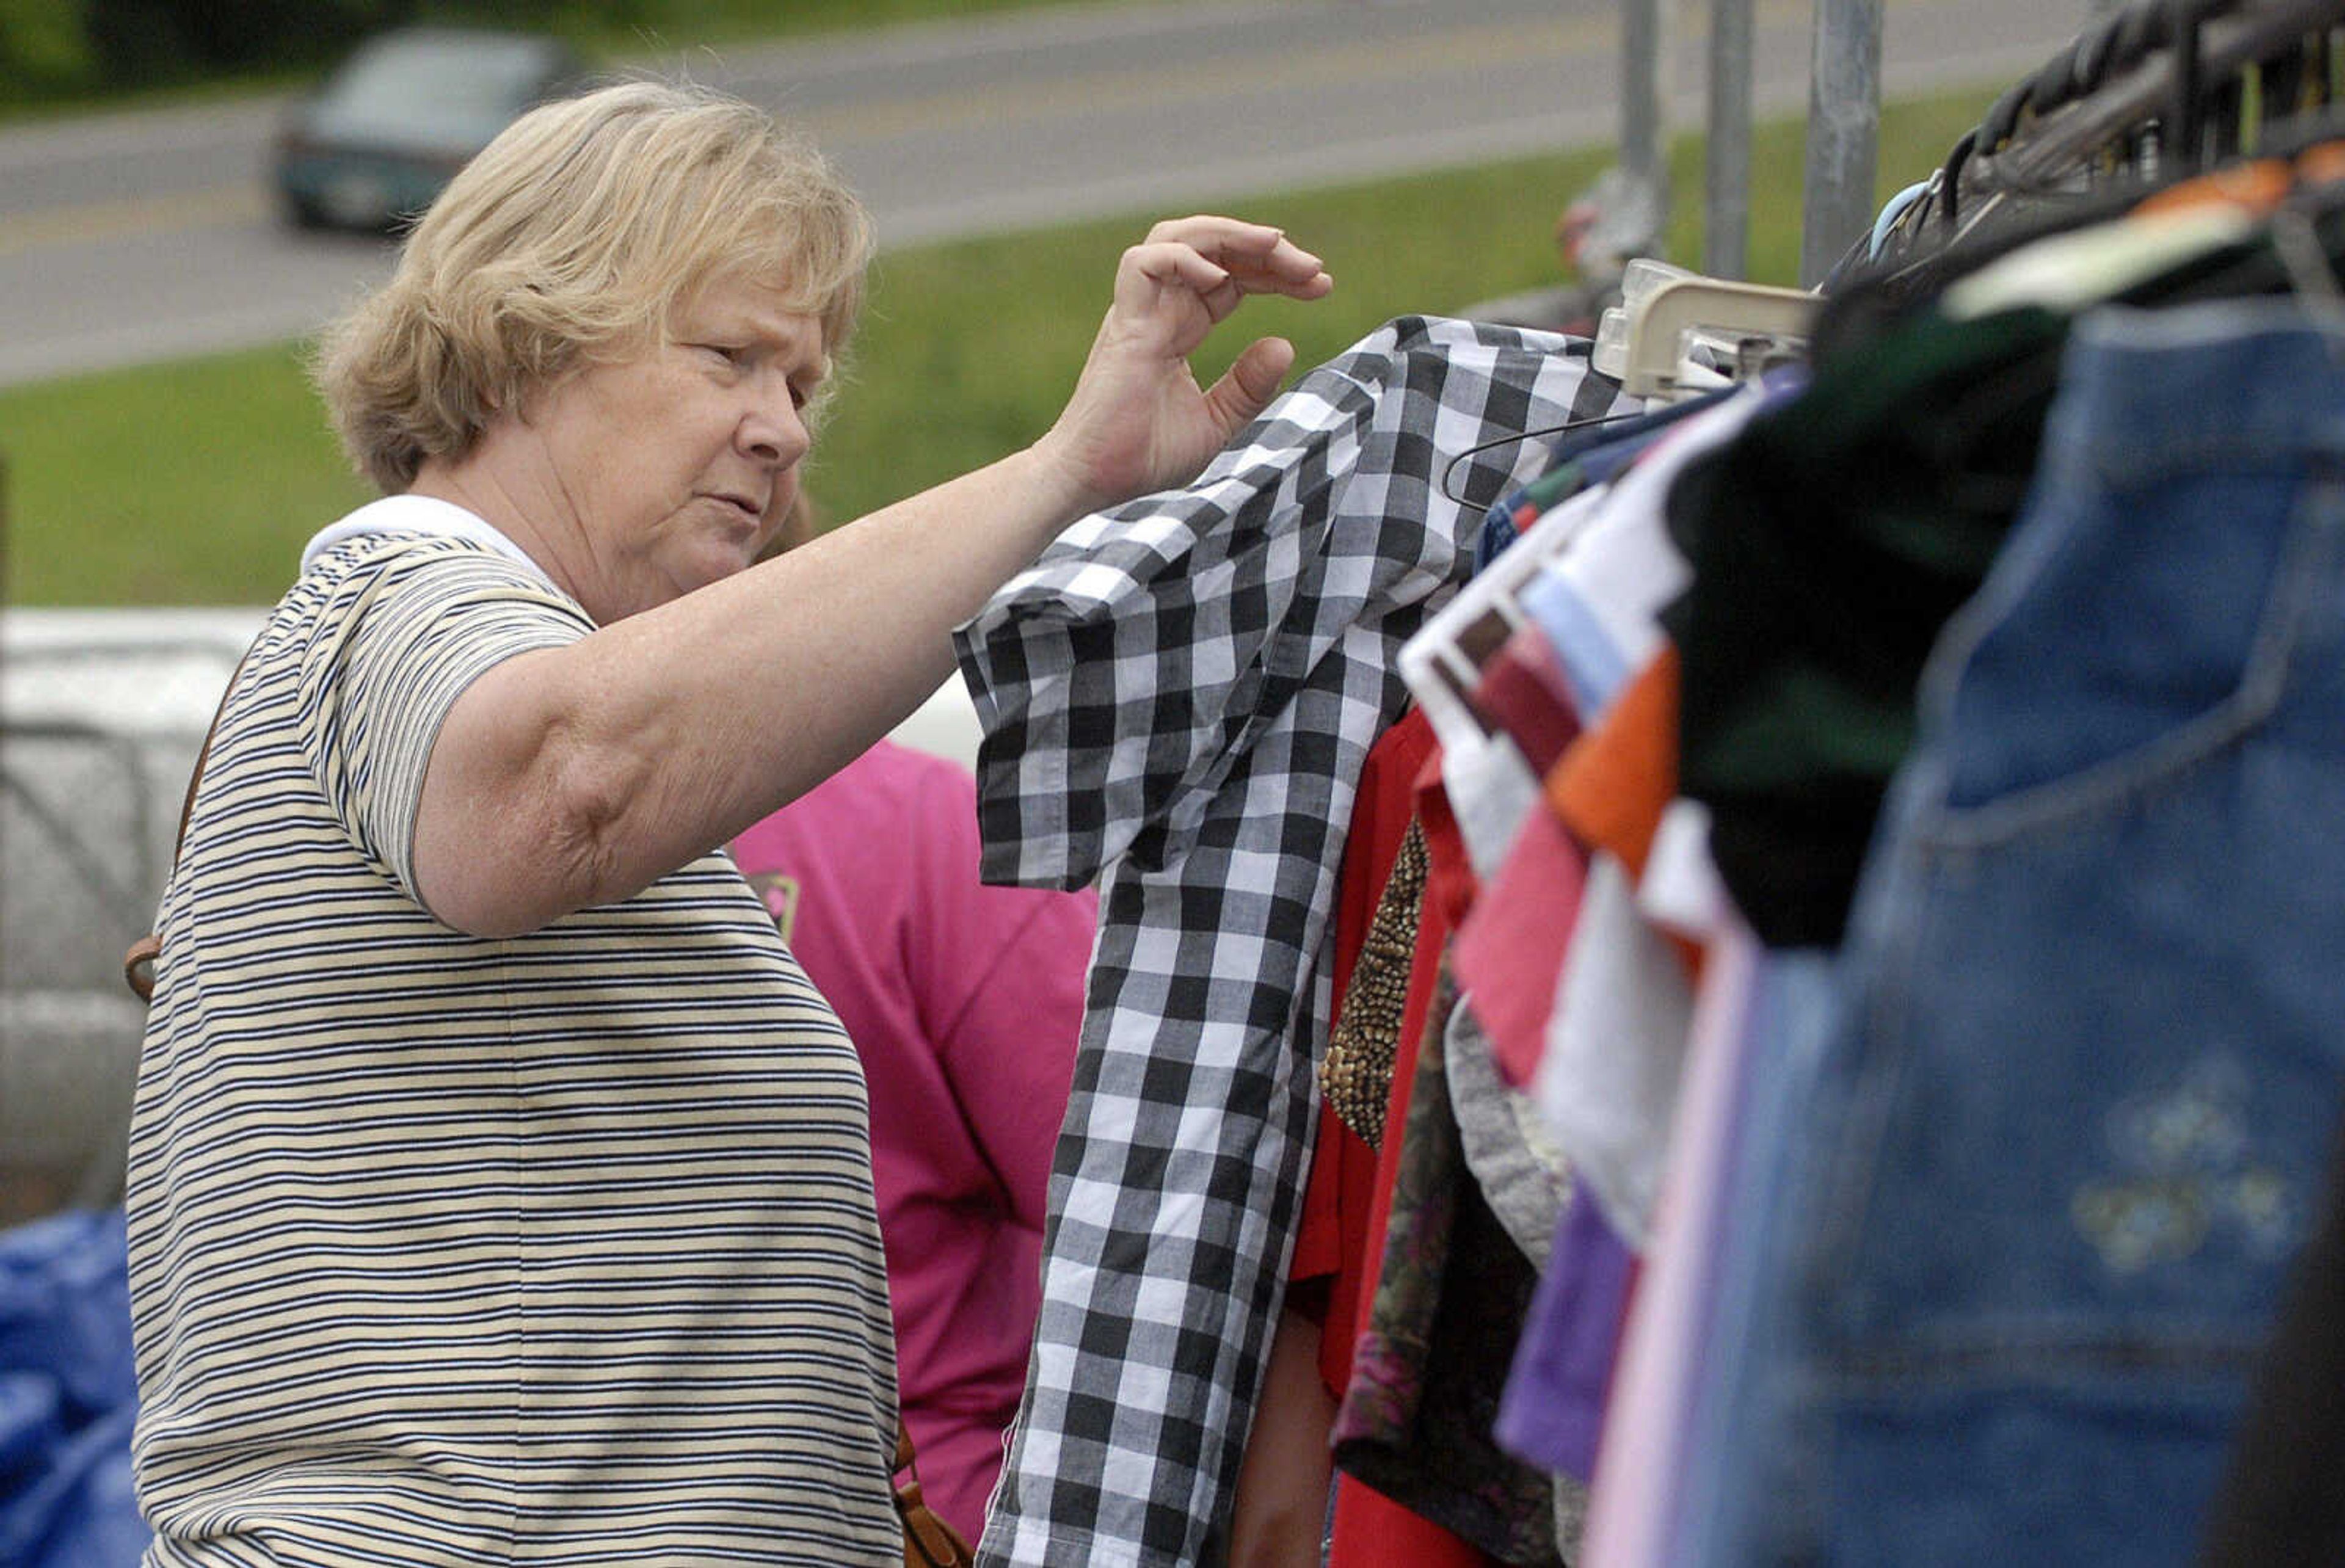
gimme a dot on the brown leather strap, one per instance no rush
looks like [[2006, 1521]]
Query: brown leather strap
[[928, 1540], [138, 964], [138, 960]]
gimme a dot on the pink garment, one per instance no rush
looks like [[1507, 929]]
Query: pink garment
[[965, 1003], [1643, 1449], [1513, 944]]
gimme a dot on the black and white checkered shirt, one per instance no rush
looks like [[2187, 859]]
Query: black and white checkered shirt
[[1180, 692]]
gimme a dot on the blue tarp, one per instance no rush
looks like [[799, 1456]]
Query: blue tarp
[[68, 1396]]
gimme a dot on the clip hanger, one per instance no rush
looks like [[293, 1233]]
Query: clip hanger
[[1656, 362], [1442, 662]]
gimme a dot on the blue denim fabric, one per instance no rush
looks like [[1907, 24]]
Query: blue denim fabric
[[2070, 1126]]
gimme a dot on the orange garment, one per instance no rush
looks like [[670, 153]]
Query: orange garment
[[2254, 184], [1612, 785], [1612, 788], [2323, 164], [2258, 185]]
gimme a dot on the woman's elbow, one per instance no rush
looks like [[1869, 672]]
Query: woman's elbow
[[507, 870]]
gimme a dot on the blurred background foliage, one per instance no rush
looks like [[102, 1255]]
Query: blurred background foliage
[[195, 482], [59, 53]]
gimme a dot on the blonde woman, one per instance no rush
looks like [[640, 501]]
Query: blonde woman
[[498, 1188]]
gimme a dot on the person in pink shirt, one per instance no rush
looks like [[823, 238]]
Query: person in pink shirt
[[964, 1002]]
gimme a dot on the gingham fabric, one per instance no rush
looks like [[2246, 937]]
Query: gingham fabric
[[1179, 692]]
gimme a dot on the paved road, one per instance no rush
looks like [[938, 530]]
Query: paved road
[[136, 237]]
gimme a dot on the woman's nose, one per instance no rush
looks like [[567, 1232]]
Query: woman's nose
[[774, 429]]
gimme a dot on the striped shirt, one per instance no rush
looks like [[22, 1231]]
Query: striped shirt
[[555, 1250]]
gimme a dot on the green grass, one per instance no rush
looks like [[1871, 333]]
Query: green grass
[[195, 482], [187, 482]]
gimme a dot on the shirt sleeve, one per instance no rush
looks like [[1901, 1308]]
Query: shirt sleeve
[[403, 630]]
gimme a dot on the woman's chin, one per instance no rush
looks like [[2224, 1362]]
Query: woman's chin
[[715, 565]]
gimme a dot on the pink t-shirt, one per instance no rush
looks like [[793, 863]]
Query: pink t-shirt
[[965, 1003]]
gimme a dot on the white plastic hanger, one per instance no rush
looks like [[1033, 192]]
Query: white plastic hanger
[[1639, 280], [1659, 331], [1442, 662]]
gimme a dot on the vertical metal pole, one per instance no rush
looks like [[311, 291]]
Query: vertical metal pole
[[1641, 152], [1843, 133], [1726, 172]]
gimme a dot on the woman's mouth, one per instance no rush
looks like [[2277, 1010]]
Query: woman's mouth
[[751, 514]]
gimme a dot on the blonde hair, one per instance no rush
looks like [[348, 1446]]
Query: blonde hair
[[572, 238]]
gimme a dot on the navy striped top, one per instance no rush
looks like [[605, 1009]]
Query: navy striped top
[[555, 1250]]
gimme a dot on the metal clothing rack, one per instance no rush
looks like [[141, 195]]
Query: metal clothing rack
[[1844, 128], [1844, 132]]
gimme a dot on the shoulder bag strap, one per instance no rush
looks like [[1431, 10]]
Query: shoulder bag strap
[[928, 1540], [138, 962]]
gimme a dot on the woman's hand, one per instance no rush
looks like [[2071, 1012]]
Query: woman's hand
[[1137, 420]]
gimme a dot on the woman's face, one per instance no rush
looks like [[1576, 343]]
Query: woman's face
[[678, 463]]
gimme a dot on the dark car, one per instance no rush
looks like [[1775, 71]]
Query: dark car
[[394, 121]]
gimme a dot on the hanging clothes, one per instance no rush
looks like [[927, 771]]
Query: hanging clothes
[[2069, 1123], [1177, 696], [1369, 1530], [1831, 544], [1380, 899], [2282, 1497], [1430, 1358], [1429, 1364]]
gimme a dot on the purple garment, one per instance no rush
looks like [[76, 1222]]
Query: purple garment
[[1552, 1412]]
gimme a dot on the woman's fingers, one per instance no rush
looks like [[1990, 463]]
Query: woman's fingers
[[1247, 387], [1172, 262], [1204, 252], [1137, 419]]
